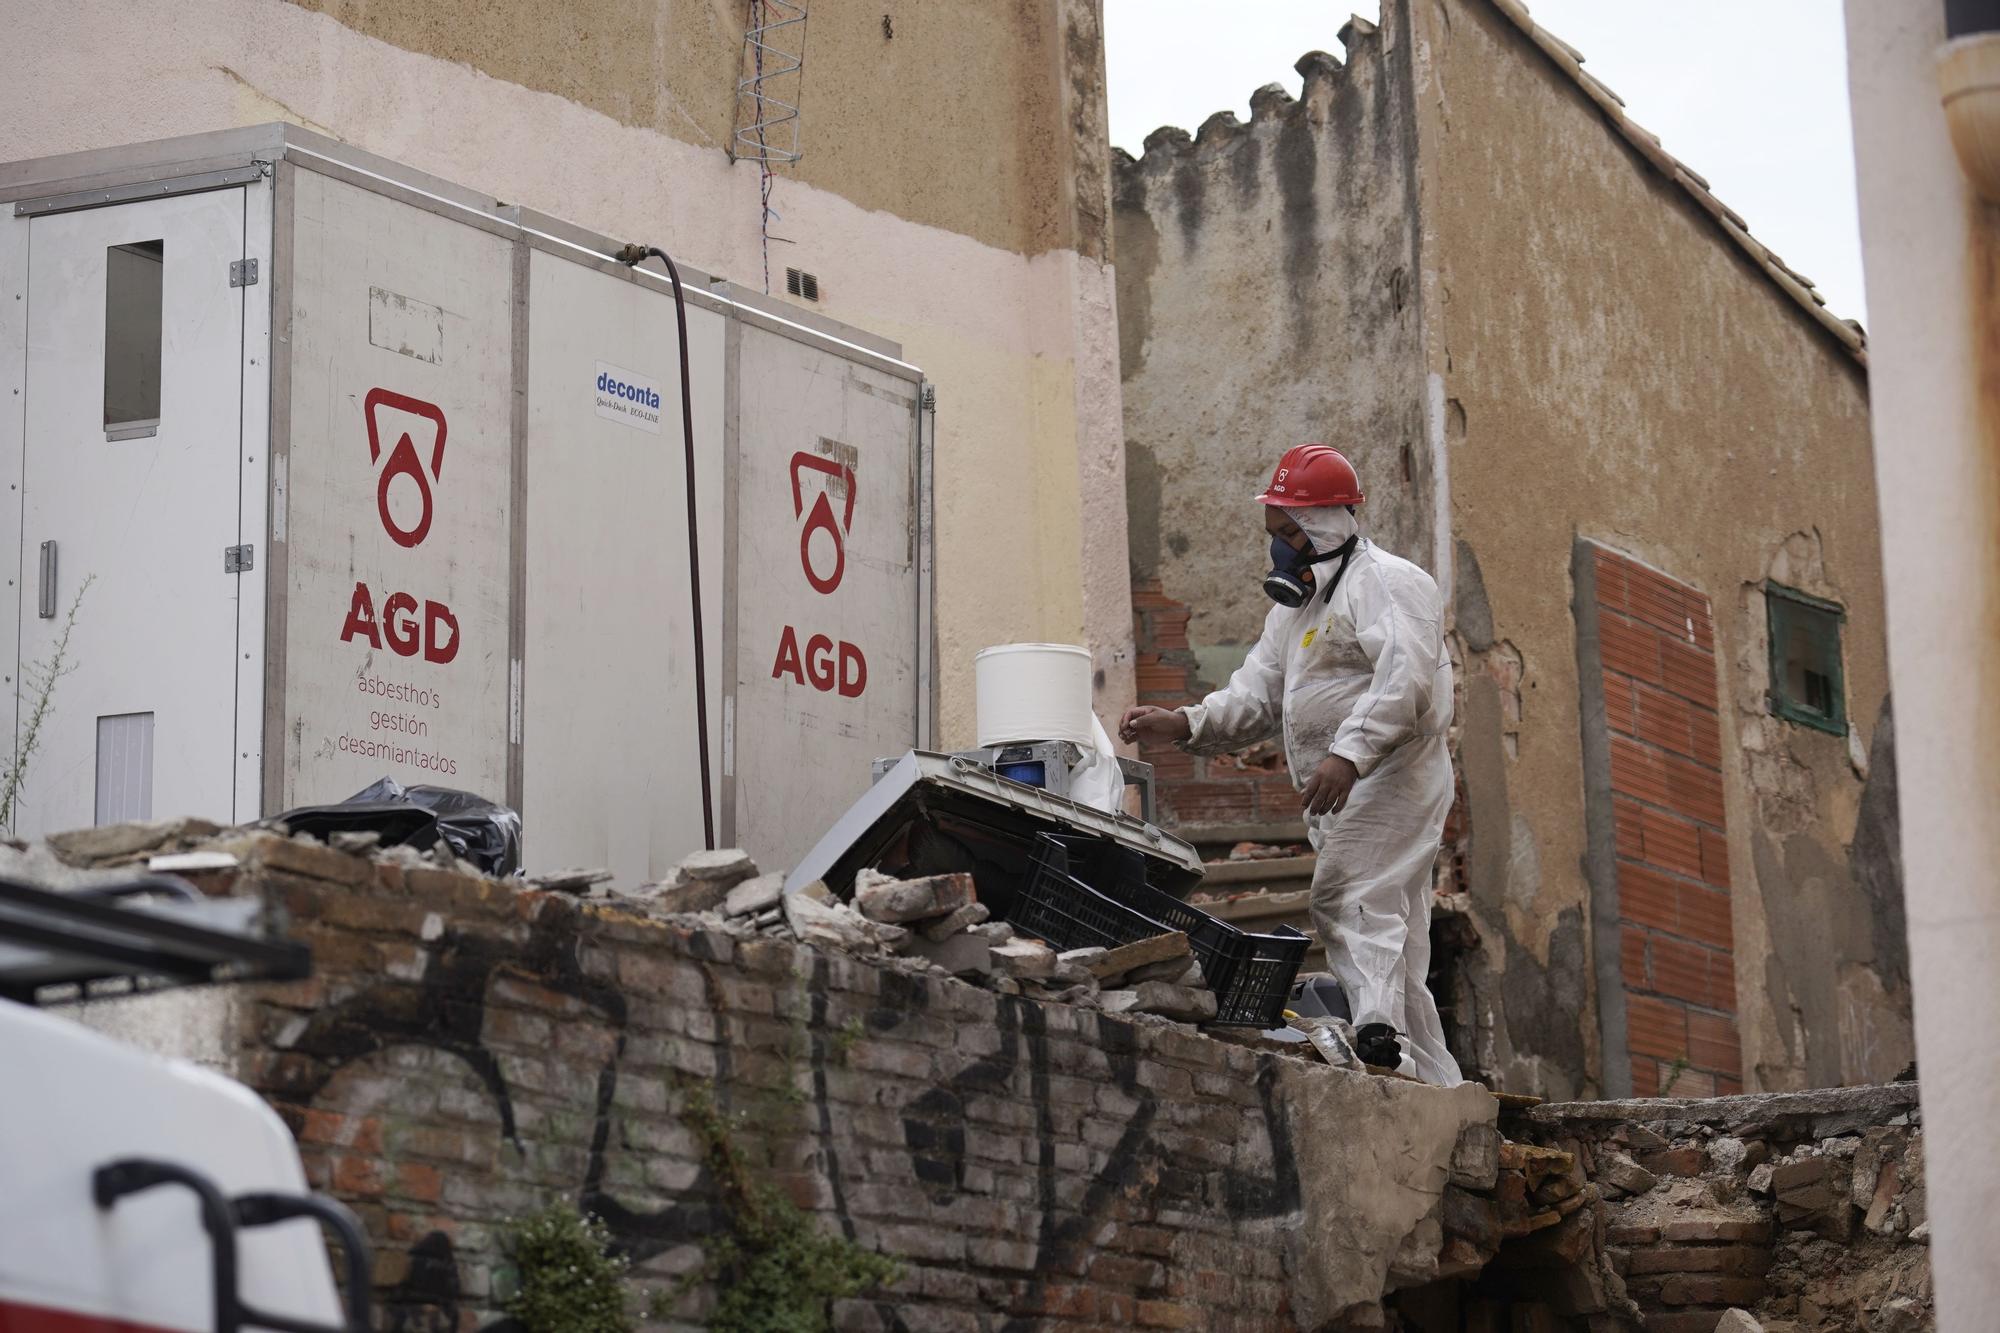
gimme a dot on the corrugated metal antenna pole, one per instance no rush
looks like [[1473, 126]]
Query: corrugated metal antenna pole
[[770, 133]]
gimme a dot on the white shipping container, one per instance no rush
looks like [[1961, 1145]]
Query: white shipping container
[[359, 473]]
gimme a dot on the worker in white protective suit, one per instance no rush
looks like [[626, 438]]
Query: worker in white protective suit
[[1352, 668]]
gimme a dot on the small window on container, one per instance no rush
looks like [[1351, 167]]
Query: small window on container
[[132, 288], [1806, 684]]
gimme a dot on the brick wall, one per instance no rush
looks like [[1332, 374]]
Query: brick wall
[[1656, 642], [470, 1050], [1254, 787]]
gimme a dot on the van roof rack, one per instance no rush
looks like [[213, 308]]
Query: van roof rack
[[124, 937]]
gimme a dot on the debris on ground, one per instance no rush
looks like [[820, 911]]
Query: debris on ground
[[934, 923], [1333, 1038], [562, 881], [476, 829]]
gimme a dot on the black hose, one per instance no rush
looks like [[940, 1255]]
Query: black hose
[[632, 255]]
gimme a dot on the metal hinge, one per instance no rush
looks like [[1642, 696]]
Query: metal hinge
[[238, 559], [243, 273]]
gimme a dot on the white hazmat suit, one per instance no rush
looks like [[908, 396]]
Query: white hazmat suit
[[1362, 674]]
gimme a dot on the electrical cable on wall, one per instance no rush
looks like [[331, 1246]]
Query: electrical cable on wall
[[633, 255]]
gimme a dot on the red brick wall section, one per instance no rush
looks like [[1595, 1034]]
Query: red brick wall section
[[1657, 644], [1253, 787]]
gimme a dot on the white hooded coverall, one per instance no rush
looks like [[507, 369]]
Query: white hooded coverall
[[1363, 675]]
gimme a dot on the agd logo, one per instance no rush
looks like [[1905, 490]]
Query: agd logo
[[822, 518], [404, 461], [400, 628], [826, 666]]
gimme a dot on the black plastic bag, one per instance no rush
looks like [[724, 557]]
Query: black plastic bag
[[476, 829]]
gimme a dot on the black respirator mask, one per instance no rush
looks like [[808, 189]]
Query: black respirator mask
[[1291, 580]]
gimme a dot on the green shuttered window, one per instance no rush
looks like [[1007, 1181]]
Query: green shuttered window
[[1806, 685]]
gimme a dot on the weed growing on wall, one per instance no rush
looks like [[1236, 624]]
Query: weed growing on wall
[[843, 1041], [40, 679], [776, 1270], [569, 1279]]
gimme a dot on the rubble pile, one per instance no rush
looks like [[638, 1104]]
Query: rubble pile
[[935, 924], [1530, 1215], [1799, 1212]]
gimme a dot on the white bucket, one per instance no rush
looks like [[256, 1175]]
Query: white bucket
[[1034, 692]]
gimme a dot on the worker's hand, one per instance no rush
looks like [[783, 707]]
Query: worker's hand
[[1153, 724], [1328, 787]]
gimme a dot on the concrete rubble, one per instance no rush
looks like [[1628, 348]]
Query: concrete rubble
[[1788, 1213], [1785, 1213], [935, 923]]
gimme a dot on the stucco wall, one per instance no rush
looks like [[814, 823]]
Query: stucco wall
[[1266, 297], [953, 198], [1617, 372]]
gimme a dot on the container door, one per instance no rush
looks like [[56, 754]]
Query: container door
[[398, 513], [129, 491], [612, 776], [826, 588]]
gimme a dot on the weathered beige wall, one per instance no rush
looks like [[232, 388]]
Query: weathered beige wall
[[953, 197], [1266, 297], [1616, 371], [945, 116]]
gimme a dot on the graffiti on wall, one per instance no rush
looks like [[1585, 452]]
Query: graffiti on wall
[[509, 1059]]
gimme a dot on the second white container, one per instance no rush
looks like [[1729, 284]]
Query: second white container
[[1034, 692]]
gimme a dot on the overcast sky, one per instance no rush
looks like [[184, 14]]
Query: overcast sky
[[1750, 93]]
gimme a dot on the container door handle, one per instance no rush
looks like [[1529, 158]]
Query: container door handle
[[47, 605]]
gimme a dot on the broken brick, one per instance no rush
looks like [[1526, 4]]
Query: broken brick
[[895, 902]]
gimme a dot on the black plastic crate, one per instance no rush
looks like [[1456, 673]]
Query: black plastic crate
[[1251, 975], [1260, 978], [1056, 906]]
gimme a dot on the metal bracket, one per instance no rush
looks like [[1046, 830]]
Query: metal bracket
[[151, 189], [239, 559], [45, 588], [243, 273]]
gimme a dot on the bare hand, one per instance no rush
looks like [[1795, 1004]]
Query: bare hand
[[1153, 724], [1327, 789]]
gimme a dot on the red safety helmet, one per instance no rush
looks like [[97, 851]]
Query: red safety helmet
[[1310, 476]]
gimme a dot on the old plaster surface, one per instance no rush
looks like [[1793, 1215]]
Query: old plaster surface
[[1266, 297], [1598, 331], [954, 198], [1370, 1198], [982, 72]]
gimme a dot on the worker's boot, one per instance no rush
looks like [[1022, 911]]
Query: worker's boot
[[1376, 1043]]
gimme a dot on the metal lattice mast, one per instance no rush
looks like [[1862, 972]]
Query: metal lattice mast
[[767, 101]]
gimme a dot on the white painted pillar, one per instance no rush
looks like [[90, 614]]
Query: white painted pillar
[[1932, 254]]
